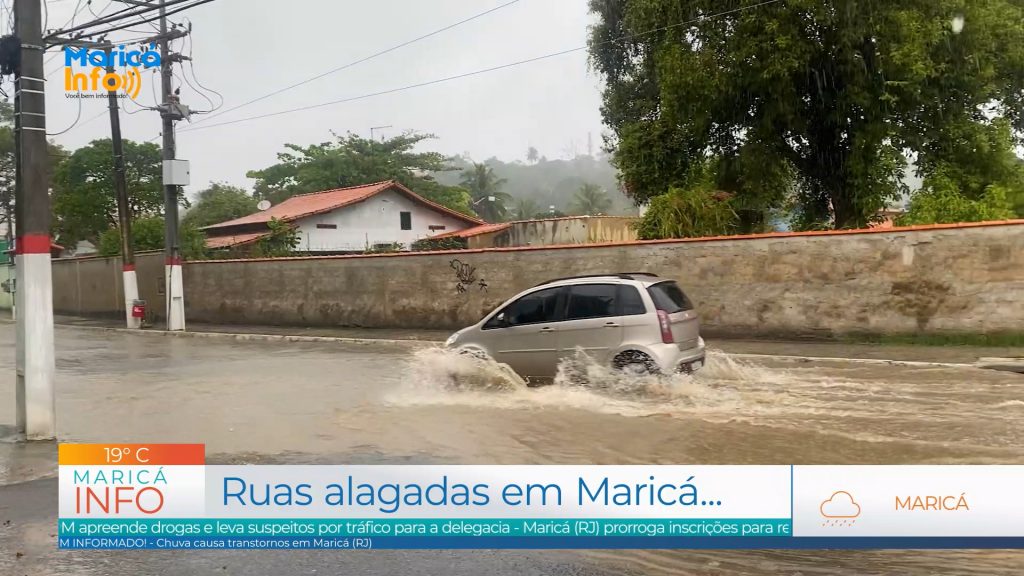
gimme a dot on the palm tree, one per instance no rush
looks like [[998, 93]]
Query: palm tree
[[525, 209], [590, 199], [485, 189]]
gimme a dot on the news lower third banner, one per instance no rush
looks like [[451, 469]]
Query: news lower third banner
[[164, 496]]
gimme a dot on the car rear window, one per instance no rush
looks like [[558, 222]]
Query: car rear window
[[630, 301], [668, 296]]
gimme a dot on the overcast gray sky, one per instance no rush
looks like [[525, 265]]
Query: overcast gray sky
[[246, 48]]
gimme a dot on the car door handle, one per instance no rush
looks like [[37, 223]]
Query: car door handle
[[546, 330], [612, 325]]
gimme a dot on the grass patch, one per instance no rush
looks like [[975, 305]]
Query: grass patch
[[996, 340]]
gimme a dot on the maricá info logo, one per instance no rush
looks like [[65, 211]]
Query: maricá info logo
[[92, 78]]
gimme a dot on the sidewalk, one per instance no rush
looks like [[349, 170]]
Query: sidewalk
[[816, 349], [319, 332]]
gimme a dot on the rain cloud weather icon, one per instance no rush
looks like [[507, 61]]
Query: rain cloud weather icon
[[840, 509]]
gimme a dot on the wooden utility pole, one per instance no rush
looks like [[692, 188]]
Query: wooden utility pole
[[124, 215], [35, 414]]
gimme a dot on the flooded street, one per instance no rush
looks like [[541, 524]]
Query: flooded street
[[281, 402]]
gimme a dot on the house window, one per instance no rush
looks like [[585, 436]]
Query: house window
[[406, 218], [435, 227], [327, 226]]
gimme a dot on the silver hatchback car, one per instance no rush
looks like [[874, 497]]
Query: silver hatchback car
[[634, 322]]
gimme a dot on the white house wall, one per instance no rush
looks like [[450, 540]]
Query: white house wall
[[374, 221]]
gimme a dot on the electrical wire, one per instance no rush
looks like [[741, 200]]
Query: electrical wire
[[122, 14], [184, 78], [364, 59], [192, 68], [73, 124], [112, 20], [95, 15], [137, 103], [78, 8], [475, 72]]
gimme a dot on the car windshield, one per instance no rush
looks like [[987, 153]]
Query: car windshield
[[668, 296]]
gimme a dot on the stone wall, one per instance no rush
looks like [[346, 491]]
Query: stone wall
[[941, 279], [93, 286]]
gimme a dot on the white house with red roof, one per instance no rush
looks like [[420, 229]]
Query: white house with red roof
[[353, 219]]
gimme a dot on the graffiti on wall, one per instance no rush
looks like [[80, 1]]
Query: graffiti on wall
[[465, 277]]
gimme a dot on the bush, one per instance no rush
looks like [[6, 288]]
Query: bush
[[688, 213], [435, 244], [940, 202]]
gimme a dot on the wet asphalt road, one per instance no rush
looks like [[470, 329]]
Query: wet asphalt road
[[276, 402]]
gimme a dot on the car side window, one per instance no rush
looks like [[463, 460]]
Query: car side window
[[540, 306], [630, 302], [592, 301]]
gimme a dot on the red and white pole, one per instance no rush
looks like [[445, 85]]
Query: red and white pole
[[131, 294], [36, 365], [36, 415], [175, 294]]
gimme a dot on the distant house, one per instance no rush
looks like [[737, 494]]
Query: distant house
[[345, 220], [548, 232], [887, 218]]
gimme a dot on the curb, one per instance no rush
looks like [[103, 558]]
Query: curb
[[258, 337], [434, 343], [874, 361]]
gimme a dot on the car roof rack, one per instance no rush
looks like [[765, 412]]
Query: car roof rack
[[621, 275]]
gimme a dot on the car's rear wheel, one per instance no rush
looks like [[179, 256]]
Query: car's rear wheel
[[635, 363]]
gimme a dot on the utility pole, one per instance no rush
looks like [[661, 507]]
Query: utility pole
[[34, 390], [375, 128], [174, 287], [124, 216]]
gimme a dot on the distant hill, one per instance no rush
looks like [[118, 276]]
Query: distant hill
[[550, 182]]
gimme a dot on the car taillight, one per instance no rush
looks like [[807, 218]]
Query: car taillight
[[666, 327]]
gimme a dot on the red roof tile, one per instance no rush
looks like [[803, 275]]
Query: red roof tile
[[218, 242], [474, 231], [303, 205]]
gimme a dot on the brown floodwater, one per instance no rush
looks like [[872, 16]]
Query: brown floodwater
[[265, 402]]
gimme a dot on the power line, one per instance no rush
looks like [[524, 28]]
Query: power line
[[122, 14], [95, 15], [364, 59], [150, 19], [78, 8], [73, 124], [79, 125], [477, 72], [192, 68]]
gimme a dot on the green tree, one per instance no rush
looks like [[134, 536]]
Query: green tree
[[549, 183], [590, 199], [694, 211], [84, 200], [7, 165], [974, 159], [524, 209], [148, 234], [824, 94], [351, 161], [219, 203], [483, 185], [940, 201], [532, 155], [281, 241]]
